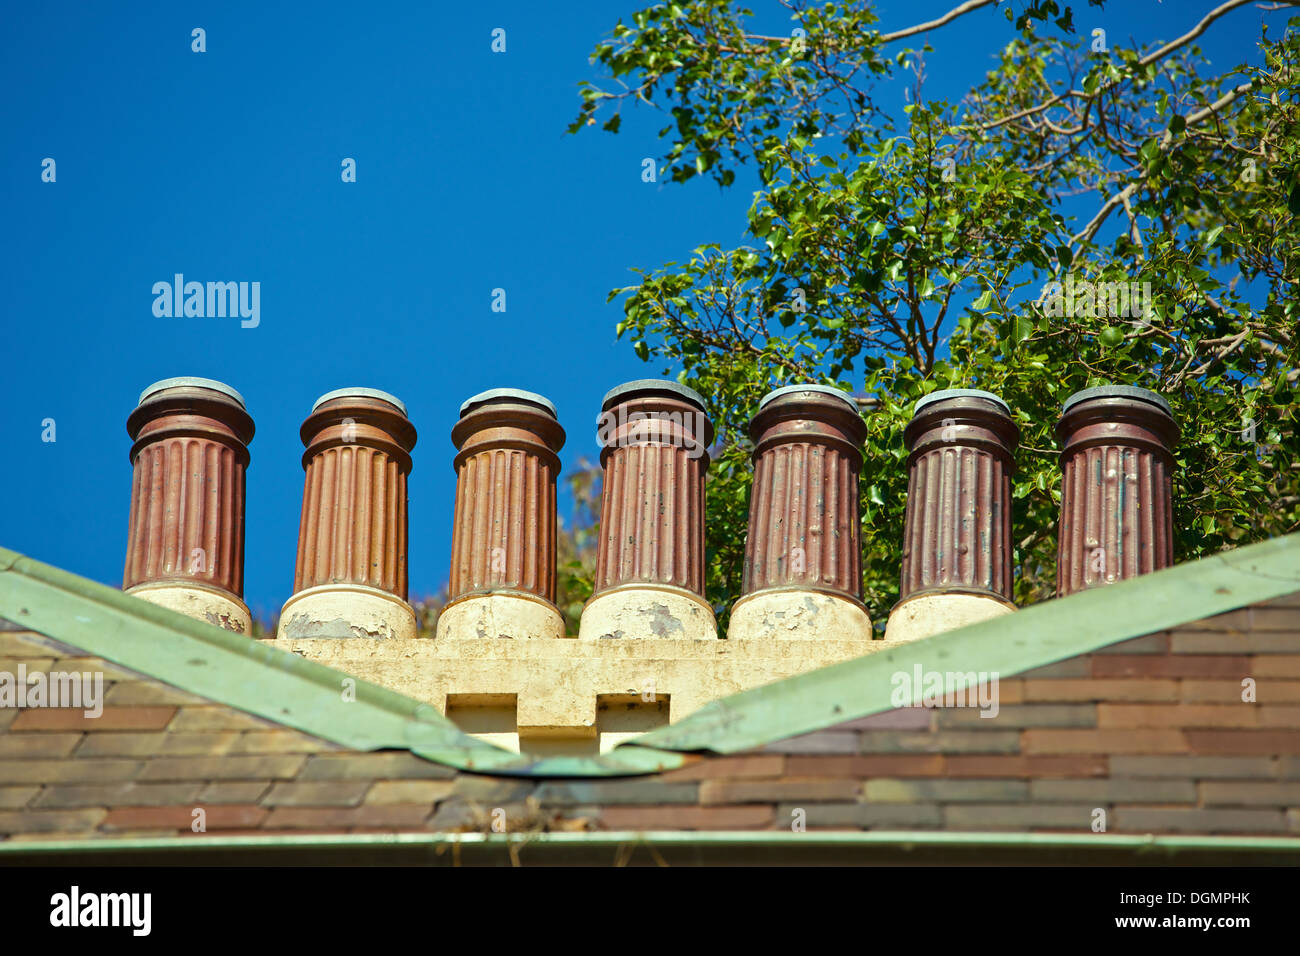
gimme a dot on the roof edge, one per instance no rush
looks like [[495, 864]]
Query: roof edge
[[253, 676], [682, 847], [1041, 634]]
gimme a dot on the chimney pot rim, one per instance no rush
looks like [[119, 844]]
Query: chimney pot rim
[[361, 392], [507, 394], [944, 394], [830, 390], [1133, 392], [651, 385], [190, 381]]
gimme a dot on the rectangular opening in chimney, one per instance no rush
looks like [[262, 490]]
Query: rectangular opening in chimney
[[490, 717], [620, 717]]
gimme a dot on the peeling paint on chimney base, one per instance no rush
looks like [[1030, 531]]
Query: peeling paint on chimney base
[[649, 612], [346, 611], [925, 615], [500, 616], [203, 604], [797, 614], [803, 561], [350, 578], [185, 537], [649, 583], [957, 564]]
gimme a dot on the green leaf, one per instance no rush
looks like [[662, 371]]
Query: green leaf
[[1212, 235], [983, 301], [1111, 337]]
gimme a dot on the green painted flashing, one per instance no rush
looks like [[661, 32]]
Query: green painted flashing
[[259, 679], [1039, 635], [665, 846]]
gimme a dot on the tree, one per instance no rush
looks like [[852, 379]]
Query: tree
[[901, 254]]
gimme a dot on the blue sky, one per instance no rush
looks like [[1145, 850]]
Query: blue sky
[[225, 166]]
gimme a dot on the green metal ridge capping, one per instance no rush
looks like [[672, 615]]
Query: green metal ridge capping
[[1039, 635], [254, 677]]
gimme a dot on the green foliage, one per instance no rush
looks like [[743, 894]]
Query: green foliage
[[898, 255]]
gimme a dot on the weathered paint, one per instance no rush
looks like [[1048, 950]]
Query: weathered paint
[[957, 531], [189, 454], [507, 463], [654, 448], [803, 507], [354, 525], [1116, 487]]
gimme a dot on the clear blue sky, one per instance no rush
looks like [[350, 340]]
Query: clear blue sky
[[225, 165]]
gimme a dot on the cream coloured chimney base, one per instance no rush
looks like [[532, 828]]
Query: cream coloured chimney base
[[928, 614], [346, 611], [512, 616], [647, 611], [204, 604], [791, 614]]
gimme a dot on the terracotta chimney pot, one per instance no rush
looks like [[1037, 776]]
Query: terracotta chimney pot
[[957, 544], [185, 538], [654, 438], [1117, 488], [350, 579], [803, 561], [503, 534]]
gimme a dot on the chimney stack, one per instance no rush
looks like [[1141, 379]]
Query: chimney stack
[[803, 564], [350, 579], [185, 538], [654, 438], [1117, 488], [957, 545], [503, 533]]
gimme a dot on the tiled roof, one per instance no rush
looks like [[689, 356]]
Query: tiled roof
[[1152, 729]]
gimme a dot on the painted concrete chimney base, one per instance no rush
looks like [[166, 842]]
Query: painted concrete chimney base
[[346, 611], [566, 694], [928, 614], [507, 616], [203, 604], [798, 615], [647, 611]]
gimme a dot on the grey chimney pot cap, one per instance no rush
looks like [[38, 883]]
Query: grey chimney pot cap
[[189, 381], [507, 394], [1118, 391], [944, 394], [820, 389], [359, 392], [614, 395]]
